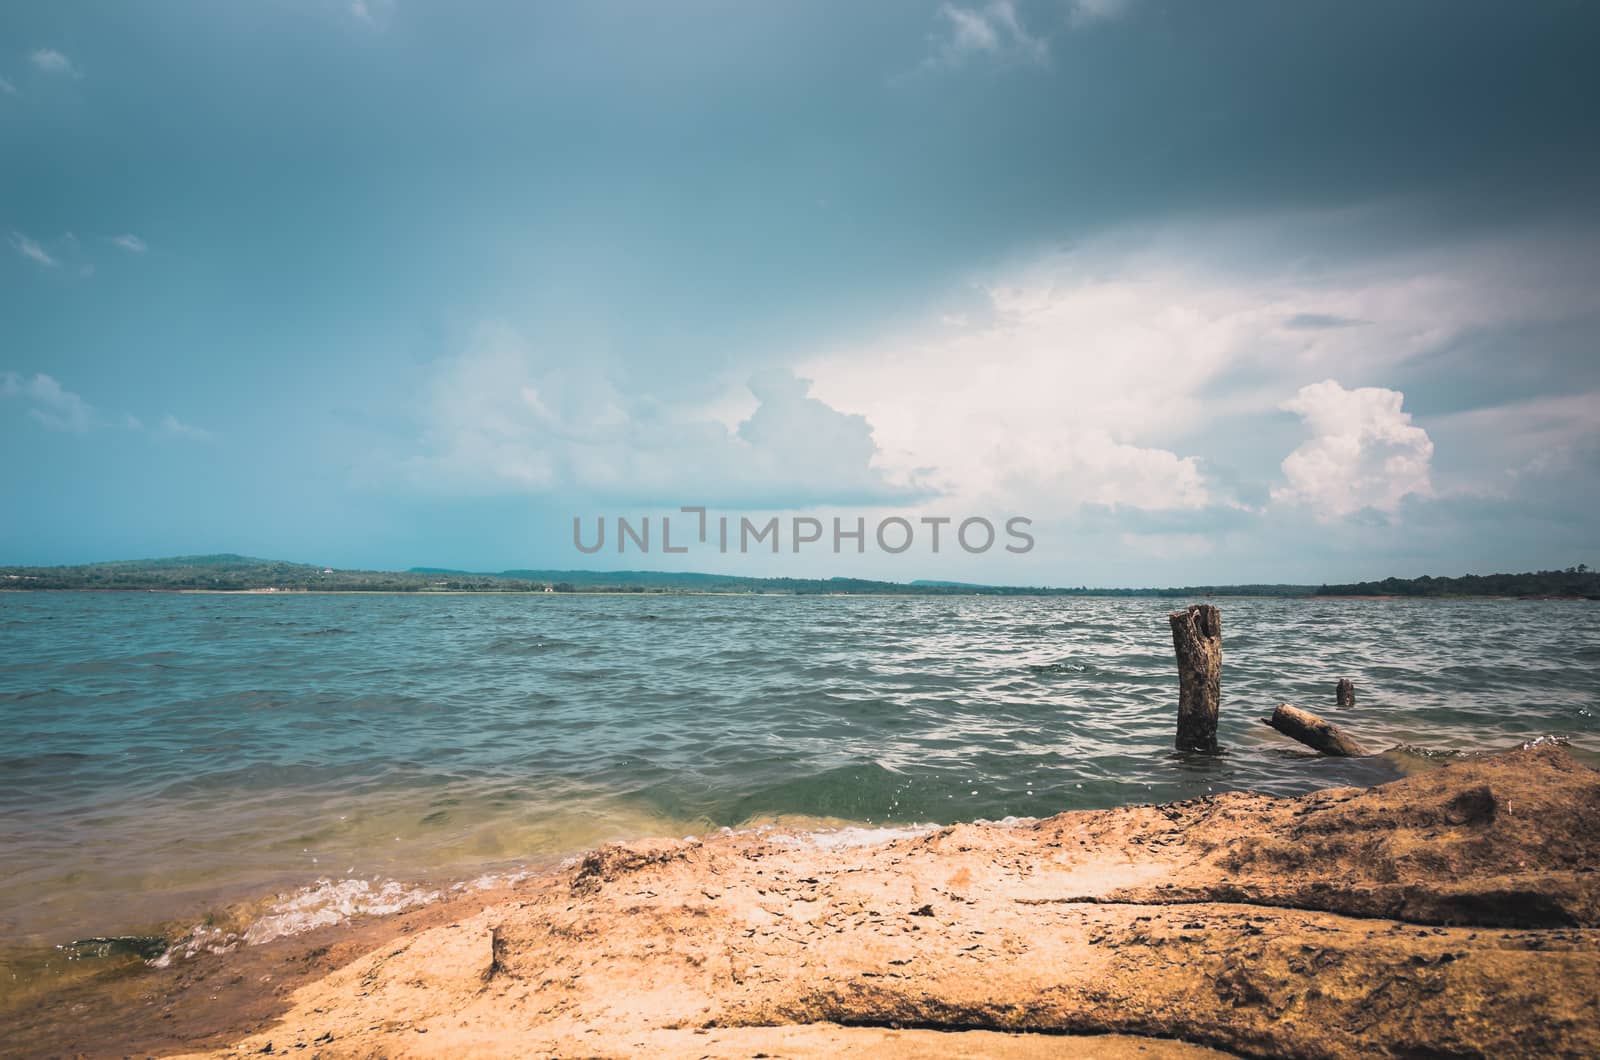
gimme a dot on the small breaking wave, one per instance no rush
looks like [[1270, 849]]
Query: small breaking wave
[[1457, 754], [325, 903], [851, 837]]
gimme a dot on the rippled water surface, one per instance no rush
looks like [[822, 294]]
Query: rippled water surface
[[163, 752]]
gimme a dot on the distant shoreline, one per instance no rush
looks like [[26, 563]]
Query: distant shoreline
[[228, 572], [656, 594]]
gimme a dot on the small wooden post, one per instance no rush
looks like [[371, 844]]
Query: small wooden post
[[1314, 732], [1197, 639], [1345, 694]]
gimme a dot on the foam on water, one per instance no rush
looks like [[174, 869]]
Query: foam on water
[[329, 902], [851, 837], [323, 903]]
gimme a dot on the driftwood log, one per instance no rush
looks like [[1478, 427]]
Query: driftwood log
[[1345, 694], [1314, 732], [1197, 639]]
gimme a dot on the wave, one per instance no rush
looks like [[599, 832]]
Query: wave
[[324, 903]]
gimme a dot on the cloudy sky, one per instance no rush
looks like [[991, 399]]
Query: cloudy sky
[[1209, 291]]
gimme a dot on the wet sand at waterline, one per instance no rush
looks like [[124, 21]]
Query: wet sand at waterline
[[1455, 912]]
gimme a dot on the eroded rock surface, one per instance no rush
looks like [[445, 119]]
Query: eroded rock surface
[[1457, 912]]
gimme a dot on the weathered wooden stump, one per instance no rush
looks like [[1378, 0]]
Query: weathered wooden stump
[[1197, 639], [1314, 732], [1345, 694]]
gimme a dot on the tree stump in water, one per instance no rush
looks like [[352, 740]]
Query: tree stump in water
[[1197, 639], [1314, 732], [1345, 694]]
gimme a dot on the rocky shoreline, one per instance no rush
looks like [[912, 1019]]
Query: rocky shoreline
[[1456, 912]]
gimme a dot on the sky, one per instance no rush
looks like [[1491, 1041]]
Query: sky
[[1207, 292]]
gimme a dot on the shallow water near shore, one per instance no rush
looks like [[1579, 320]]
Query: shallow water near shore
[[271, 762]]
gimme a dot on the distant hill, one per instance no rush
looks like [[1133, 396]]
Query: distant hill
[[228, 572]]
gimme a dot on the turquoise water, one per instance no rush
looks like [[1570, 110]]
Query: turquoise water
[[164, 754]]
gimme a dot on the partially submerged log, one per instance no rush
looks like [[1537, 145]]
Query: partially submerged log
[[1345, 694], [1197, 639], [1314, 732]]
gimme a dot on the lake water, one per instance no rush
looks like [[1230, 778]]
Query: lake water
[[168, 756]]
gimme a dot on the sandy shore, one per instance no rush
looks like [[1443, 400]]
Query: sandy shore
[[1454, 912]]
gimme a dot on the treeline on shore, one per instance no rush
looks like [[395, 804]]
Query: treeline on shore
[[233, 573], [1578, 581]]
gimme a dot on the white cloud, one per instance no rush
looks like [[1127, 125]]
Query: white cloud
[[1057, 394], [1084, 12], [1127, 394], [503, 417], [7, 88], [31, 249], [49, 404], [994, 29], [130, 243], [1137, 372], [371, 11], [50, 61], [59, 409], [1364, 452], [172, 427]]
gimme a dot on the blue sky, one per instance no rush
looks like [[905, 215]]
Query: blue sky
[[1209, 291]]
